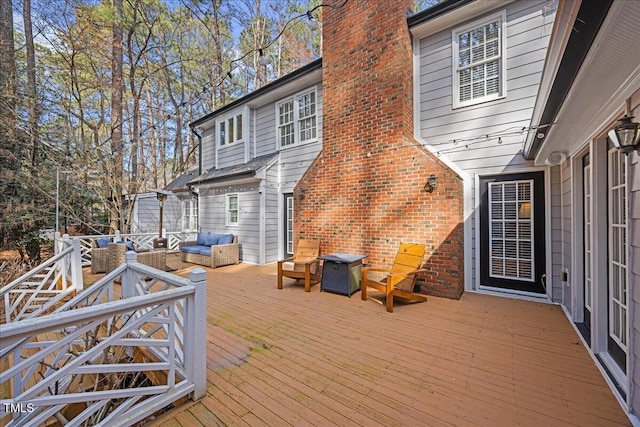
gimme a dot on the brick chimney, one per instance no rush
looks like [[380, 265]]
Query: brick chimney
[[364, 193]]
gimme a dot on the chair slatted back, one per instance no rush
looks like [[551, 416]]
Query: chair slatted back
[[409, 258], [306, 250]]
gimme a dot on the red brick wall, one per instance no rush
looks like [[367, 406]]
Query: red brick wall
[[364, 193]]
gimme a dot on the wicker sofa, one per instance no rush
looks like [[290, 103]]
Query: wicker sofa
[[99, 255], [117, 251], [211, 250]]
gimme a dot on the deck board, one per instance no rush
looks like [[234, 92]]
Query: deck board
[[287, 357]]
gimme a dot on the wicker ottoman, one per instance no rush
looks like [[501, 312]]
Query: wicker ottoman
[[173, 260]]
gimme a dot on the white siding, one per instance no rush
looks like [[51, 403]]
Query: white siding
[[280, 178], [231, 155], [148, 210], [213, 212], [557, 223], [208, 150], [265, 130], [564, 239], [273, 221], [634, 281], [527, 38]]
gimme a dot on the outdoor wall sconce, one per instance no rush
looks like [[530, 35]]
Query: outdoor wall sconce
[[626, 135], [301, 194], [432, 184]]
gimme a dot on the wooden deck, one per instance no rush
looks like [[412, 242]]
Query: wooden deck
[[286, 357]]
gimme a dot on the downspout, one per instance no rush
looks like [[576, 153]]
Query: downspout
[[193, 130]]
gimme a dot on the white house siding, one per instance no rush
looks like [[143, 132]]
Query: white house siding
[[231, 155], [558, 220], [634, 280], [528, 27], [272, 220], [208, 150], [147, 210], [212, 216], [265, 136], [565, 237]]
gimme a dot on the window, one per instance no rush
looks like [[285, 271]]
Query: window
[[511, 230], [232, 209], [478, 62], [297, 119], [230, 129], [190, 215]]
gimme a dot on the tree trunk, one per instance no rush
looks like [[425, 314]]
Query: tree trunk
[[116, 117], [31, 83]]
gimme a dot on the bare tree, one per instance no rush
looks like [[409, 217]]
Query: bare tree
[[117, 140]]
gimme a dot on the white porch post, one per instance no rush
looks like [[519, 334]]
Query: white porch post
[[195, 336], [76, 266], [129, 277]]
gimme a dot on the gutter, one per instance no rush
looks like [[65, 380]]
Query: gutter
[[584, 31], [193, 130], [294, 75], [435, 11]]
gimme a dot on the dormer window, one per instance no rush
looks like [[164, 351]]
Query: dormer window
[[478, 61], [231, 128], [297, 119]]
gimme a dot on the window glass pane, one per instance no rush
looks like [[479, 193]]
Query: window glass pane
[[222, 134], [231, 130], [492, 49], [232, 209], [464, 57], [465, 77], [463, 41], [239, 127], [478, 90]]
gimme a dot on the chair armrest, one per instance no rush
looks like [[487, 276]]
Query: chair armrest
[[376, 269], [410, 273], [291, 258], [311, 262], [187, 243]]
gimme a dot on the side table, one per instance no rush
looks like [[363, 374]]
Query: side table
[[341, 273], [173, 260]]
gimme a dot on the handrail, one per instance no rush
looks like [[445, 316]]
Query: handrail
[[143, 240], [42, 288], [46, 356]]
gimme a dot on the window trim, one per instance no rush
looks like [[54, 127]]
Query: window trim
[[502, 93], [233, 118], [227, 211], [193, 204], [296, 118]]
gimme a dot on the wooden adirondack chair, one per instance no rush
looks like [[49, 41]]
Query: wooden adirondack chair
[[401, 278], [305, 264]]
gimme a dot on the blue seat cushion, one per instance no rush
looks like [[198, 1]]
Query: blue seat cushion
[[206, 250], [130, 246], [102, 242], [212, 239], [195, 249], [225, 239], [202, 238]]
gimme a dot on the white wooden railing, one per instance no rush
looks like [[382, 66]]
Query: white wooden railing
[[84, 364], [41, 289], [143, 240]]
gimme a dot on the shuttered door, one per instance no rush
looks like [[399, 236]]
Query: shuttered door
[[512, 232]]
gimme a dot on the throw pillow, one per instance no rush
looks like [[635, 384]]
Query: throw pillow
[[212, 240], [103, 242], [202, 238], [225, 239]]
